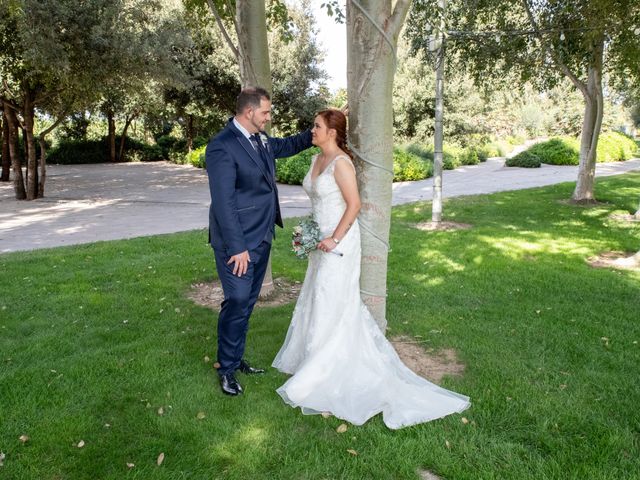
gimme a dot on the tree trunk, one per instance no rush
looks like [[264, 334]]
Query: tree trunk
[[6, 156], [32, 163], [43, 165], [370, 72], [252, 54], [189, 133], [123, 137], [24, 157], [436, 210], [251, 21], [43, 154], [16, 164], [111, 135], [255, 69], [591, 125]]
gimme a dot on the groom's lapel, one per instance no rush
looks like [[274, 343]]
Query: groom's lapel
[[255, 156]]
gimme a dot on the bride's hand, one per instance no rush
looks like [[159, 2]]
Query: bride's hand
[[326, 245]]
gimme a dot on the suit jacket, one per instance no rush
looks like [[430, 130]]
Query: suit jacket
[[244, 196]]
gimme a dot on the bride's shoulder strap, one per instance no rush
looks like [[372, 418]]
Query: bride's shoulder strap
[[347, 160]]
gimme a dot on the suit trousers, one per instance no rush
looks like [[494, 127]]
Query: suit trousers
[[240, 296]]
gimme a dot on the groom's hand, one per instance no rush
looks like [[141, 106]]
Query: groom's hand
[[241, 263]]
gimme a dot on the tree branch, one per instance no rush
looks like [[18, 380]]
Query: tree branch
[[560, 65], [59, 120], [398, 16], [223, 30]]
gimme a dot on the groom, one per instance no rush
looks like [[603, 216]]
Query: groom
[[244, 211]]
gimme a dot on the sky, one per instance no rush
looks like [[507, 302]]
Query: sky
[[332, 38]]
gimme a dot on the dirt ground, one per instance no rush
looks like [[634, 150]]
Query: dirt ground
[[442, 226], [429, 364], [620, 260]]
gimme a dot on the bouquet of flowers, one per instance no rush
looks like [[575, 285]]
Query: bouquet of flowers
[[305, 238]]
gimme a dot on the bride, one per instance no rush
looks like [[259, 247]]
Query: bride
[[340, 360]]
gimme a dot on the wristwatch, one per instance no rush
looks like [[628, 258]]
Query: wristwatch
[[335, 240]]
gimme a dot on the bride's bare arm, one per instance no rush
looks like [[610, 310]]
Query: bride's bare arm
[[345, 175]]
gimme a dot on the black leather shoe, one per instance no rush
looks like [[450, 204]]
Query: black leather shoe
[[248, 369], [230, 385]]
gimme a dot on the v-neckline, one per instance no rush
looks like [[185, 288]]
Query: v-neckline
[[325, 168]]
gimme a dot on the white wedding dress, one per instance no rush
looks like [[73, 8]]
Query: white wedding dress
[[340, 360]]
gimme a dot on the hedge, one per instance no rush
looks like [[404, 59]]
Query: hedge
[[292, 170], [452, 156], [408, 166], [612, 146], [72, 152]]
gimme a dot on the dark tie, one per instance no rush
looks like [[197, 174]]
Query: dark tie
[[256, 141]]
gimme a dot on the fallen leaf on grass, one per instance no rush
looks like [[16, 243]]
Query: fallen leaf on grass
[[161, 411], [464, 420], [342, 428], [80, 444], [2, 457], [130, 465], [352, 452], [326, 414], [160, 459], [447, 444], [24, 438], [200, 415], [206, 359]]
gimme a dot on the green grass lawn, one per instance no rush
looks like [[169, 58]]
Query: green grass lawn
[[95, 339]]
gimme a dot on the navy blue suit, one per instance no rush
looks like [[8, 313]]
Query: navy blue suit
[[244, 210]]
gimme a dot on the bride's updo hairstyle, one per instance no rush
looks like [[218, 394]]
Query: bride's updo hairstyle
[[338, 121]]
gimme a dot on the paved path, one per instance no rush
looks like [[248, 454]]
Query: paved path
[[88, 203]]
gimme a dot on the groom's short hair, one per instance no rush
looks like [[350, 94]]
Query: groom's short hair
[[250, 97]]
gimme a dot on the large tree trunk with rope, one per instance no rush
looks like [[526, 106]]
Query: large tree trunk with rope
[[372, 32], [252, 54]]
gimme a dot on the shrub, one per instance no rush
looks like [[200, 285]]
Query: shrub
[[72, 152], [175, 149], [483, 152], [469, 156], [494, 149], [515, 140], [524, 159], [292, 170], [407, 166], [451, 157], [196, 157], [199, 141], [557, 151], [612, 146], [166, 143], [615, 146], [425, 152]]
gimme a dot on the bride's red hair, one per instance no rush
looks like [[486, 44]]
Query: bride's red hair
[[337, 120]]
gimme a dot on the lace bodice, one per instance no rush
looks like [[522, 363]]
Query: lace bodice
[[327, 203]]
